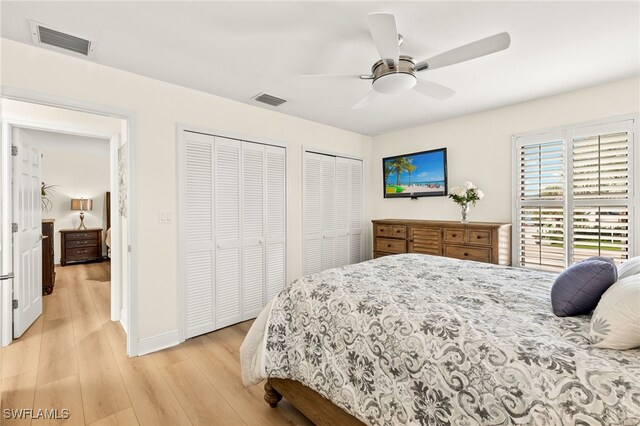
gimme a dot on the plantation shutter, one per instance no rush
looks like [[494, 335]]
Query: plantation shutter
[[228, 216], [276, 209], [601, 189], [199, 233], [253, 217], [574, 195], [540, 202]]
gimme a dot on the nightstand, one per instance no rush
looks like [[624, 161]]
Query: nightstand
[[80, 245]]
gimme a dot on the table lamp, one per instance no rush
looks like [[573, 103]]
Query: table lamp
[[82, 205]]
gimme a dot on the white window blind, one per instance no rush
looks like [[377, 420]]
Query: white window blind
[[574, 195]]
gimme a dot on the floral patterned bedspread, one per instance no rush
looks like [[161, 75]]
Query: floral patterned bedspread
[[414, 339]]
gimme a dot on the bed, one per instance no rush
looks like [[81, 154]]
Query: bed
[[416, 339]]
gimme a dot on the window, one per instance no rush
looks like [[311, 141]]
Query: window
[[574, 195]]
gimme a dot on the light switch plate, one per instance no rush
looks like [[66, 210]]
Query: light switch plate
[[165, 216]]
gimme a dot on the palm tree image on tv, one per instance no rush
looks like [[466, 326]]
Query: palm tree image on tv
[[420, 174]]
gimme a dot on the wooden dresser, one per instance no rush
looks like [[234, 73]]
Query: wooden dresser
[[48, 268], [80, 245], [479, 241]]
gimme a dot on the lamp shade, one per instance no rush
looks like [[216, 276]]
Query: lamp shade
[[81, 204]]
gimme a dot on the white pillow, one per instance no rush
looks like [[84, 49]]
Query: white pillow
[[629, 267], [615, 323]]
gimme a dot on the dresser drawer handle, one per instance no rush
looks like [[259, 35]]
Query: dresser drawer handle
[[466, 254], [479, 237], [388, 245], [453, 235], [398, 231]]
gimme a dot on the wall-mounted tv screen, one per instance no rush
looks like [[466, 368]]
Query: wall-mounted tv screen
[[421, 174]]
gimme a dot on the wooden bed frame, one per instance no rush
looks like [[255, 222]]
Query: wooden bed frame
[[317, 408]]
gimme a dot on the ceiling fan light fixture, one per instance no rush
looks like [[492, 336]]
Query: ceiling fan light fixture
[[393, 84]]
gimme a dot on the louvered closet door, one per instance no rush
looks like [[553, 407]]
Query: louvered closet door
[[228, 217], [276, 207], [328, 212], [342, 187], [198, 232], [356, 201], [312, 262], [253, 218]]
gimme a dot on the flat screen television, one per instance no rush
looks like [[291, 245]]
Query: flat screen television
[[421, 174]]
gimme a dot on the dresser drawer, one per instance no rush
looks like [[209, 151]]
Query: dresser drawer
[[81, 236], [81, 243], [398, 231], [479, 237], [468, 253], [388, 245], [81, 253], [383, 230], [454, 236]]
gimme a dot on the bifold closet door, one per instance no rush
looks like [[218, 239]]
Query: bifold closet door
[[333, 207], [198, 233], [228, 219], [234, 229], [276, 221]]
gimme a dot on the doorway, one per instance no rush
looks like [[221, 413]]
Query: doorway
[[105, 230]]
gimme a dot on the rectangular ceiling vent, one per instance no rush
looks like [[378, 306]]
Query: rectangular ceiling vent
[[48, 37], [265, 98]]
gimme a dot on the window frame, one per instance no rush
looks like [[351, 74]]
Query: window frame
[[567, 134]]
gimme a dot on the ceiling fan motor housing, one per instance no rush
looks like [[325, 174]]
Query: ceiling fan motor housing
[[393, 80]]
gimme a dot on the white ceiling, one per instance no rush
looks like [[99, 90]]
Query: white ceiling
[[238, 49]]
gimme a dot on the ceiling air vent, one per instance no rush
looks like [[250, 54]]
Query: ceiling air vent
[[269, 99], [49, 37]]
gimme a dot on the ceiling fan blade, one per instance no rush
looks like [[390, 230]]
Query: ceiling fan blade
[[366, 100], [434, 90], [333, 76], [385, 36], [473, 50]]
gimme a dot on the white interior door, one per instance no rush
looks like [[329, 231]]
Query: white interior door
[[198, 232], [276, 223], [27, 245], [253, 217], [228, 237]]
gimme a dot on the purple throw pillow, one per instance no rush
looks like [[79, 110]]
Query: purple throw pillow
[[578, 289]]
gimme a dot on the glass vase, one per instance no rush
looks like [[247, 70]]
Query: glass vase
[[464, 209]]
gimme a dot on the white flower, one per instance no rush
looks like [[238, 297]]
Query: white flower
[[458, 191], [469, 185], [480, 194]]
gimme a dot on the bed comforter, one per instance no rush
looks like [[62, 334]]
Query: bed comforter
[[414, 339]]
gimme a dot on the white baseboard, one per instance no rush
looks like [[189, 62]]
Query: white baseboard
[[158, 342], [124, 320]]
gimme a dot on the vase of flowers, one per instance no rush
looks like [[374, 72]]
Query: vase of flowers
[[464, 196]]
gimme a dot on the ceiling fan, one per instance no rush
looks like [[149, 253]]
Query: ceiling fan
[[395, 73]]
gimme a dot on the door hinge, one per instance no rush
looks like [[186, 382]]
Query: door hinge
[[14, 227], [15, 304], [14, 150]]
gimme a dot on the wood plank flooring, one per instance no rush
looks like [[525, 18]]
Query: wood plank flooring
[[73, 357]]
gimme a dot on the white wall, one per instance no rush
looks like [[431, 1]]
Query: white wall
[[159, 107], [479, 148], [79, 167]]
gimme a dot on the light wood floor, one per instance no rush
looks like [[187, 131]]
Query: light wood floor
[[74, 357]]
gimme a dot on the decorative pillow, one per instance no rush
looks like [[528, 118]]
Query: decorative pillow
[[616, 321], [578, 288], [629, 267]]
